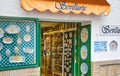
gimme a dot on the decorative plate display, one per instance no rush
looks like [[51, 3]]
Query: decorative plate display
[[1, 46], [12, 29], [113, 45], [84, 52], [12, 32], [16, 59], [84, 68], [84, 35], [7, 40], [1, 33]]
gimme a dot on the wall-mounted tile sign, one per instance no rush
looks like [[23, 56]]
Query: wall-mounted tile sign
[[100, 46], [113, 46], [110, 30]]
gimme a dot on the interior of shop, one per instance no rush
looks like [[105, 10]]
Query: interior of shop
[[58, 48], [57, 38]]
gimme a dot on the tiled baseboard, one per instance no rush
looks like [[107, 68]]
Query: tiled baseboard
[[106, 68], [22, 72]]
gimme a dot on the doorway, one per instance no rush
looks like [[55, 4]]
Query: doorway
[[59, 48]]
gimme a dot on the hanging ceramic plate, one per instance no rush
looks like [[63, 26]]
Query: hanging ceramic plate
[[16, 59], [66, 36], [28, 50], [7, 40], [16, 50], [7, 52], [65, 74], [84, 35], [27, 37], [70, 74], [1, 46], [67, 69], [84, 68], [84, 52], [27, 28], [12, 29], [1, 33], [113, 45], [19, 41], [70, 34]]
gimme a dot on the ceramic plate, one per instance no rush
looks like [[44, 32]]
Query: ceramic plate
[[67, 69], [70, 74], [84, 52], [70, 34], [1, 46], [66, 35], [28, 28], [19, 41], [12, 29], [84, 35], [84, 68], [7, 40], [28, 50], [113, 45], [1, 33], [27, 37], [7, 52], [65, 74], [16, 59], [16, 50]]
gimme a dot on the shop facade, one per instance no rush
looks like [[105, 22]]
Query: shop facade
[[105, 30]]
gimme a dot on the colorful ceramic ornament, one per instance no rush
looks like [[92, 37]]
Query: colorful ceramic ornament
[[84, 52], [27, 37], [84, 35], [113, 45], [7, 40], [12, 29], [28, 50], [84, 68], [7, 52], [16, 59]]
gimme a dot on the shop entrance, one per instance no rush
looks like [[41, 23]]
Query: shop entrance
[[60, 45]]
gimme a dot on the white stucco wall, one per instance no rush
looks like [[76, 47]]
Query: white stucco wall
[[12, 8]]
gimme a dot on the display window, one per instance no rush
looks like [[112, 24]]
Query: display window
[[18, 43]]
